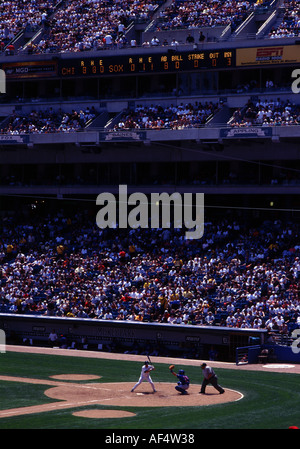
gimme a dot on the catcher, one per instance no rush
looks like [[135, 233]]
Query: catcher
[[183, 380], [145, 376]]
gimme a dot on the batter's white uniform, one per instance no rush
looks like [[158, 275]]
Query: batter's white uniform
[[145, 377]]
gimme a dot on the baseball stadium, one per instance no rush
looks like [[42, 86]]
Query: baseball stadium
[[150, 217]]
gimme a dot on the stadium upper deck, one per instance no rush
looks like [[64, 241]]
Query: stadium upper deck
[[52, 26], [238, 61], [72, 40]]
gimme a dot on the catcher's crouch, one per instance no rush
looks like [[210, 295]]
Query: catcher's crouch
[[145, 376], [183, 380]]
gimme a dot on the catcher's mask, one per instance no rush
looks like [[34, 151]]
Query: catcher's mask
[[181, 371]]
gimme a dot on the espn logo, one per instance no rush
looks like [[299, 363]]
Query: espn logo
[[269, 53], [2, 82]]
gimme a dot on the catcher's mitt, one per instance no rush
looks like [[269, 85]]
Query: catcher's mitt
[[171, 367]]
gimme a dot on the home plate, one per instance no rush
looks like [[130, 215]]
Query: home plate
[[278, 366]]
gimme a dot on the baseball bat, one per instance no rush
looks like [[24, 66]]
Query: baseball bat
[[149, 359]]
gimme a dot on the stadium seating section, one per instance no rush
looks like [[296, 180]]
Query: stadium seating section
[[238, 275]]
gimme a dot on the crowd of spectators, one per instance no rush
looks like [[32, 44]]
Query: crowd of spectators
[[237, 275], [267, 113], [19, 15], [290, 24], [75, 25], [167, 117], [47, 121], [91, 24], [197, 14], [190, 115]]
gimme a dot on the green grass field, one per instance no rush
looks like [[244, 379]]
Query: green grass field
[[271, 400]]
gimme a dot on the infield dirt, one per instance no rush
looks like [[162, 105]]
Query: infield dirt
[[68, 394]]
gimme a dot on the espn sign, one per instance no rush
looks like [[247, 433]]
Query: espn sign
[[256, 56], [269, 53]]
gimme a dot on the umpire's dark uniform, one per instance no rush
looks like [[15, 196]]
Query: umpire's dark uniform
[[210, 377]]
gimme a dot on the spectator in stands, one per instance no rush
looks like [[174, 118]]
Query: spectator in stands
[[290, 24], [108, 40], [48, 121], [267, 113], [155, 41], [208, 13], [269, 84], [17, 15], [190, 39], [234, 273], [171, 117], [174, 42], [81, 26], [201, 37]]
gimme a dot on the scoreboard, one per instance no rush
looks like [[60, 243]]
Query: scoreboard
[[169, 61], [166, 61]]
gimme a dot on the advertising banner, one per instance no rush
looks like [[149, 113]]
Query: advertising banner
[[259, 56]]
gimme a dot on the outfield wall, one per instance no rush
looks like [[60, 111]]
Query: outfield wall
[[120, 336]]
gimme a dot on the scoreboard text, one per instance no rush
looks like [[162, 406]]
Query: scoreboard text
[[171, 61]]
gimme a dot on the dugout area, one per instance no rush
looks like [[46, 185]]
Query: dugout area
[[131, 337]]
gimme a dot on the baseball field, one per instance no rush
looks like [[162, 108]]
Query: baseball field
[[66, 389]]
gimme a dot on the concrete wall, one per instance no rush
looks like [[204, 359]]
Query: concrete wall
[[175, 339]]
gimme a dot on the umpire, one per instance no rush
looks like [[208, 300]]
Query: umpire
[[210, 377]]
